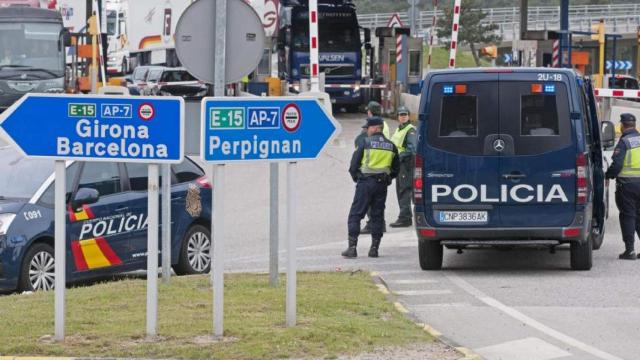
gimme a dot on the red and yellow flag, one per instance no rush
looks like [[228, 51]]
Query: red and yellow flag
[[93, 254]]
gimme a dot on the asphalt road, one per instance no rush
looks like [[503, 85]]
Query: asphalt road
[[518, 304]]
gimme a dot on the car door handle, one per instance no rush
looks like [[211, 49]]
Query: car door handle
[[514, 176], [122, 208]]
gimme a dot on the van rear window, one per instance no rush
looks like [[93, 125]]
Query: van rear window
[[539, 115], [459, 116]]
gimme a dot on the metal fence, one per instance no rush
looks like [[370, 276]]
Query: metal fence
[[619, 18]]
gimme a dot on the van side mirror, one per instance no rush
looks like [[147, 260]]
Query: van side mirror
[[608, 131], [66, 37], [85, 196]]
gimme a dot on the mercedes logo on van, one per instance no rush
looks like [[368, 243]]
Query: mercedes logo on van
[[499, 145]]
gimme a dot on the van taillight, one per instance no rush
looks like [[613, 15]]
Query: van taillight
[[417, 179], [581, 179], [203, 182]]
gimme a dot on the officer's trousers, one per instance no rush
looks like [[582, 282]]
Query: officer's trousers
[[404, 189], [628, 202], [371, 192]]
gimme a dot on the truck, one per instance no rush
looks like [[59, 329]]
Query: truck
[[32, 52], [150, 27], [340, 47]]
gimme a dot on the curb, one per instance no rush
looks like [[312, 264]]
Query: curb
[[467, 353]]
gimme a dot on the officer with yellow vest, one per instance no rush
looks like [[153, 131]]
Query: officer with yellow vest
[[405, 140], [374, 165], [373, 109], [625, 168]]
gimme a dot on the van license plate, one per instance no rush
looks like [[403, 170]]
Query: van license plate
[[464, 217]]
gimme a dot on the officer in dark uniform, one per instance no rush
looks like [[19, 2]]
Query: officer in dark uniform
[[626, 170], [406, 141], [373, 109], [374, 164]]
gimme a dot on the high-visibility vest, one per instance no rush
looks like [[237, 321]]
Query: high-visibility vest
[[399, 136], [631, 164], [378, 156], [385, 130]]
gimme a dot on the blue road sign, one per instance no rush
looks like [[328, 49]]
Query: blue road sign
[[264, 129], [609, 64], [507, 58], [97, 127], [628, 65]]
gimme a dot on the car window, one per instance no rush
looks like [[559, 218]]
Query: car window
[[539, 115], [459, 120], [176, 76], [623, 83], [154, 75], [187, 171], [459, 116], [138, 176], [101, 176], [48, 196], [140, 74]]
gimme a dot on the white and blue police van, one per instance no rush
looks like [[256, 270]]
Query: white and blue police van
[[510, 157]]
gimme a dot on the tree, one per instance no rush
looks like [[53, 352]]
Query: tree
[[471, 30]]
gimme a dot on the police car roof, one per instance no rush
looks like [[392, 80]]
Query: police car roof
[[505, 71]]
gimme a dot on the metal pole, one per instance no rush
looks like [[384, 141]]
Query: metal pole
[[413, 18], [59, 247], [314, 56], [152, 250], [217, 222], [638, 55], [273, 224], [218, 250], [564, 32], [166, 223], [291, 245]]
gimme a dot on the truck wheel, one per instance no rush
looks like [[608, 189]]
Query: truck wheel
[[38, 269], [582, 255], [430, 254], [597, 237], [195, 255]]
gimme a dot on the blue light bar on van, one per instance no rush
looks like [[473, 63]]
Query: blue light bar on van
[[549, 88], [447, 89]]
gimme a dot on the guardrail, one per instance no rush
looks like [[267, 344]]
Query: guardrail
[[620, 18]]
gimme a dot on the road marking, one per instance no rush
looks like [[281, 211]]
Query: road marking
[[464, 285], [412, 281], [422, 292], [525, 349]]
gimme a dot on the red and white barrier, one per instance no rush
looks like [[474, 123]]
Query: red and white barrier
[[454, 34], [617, 93], [398, 49], [432, 32], [354, 86], [556, 54], [314, 56]]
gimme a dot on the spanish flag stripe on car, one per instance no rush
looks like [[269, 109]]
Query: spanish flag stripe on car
[[93, 254], [84, 214]]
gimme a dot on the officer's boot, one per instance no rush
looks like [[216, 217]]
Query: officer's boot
[[375, 244], [351, 251], [628, 254]]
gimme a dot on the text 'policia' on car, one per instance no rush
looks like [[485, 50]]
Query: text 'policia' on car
[[106, 221], [510, 157]]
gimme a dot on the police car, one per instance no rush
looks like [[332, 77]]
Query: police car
[[106, 220], [510, 157]]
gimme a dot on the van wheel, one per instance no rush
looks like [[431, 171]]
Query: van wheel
[[597, 237], [582, 255], [195, 253], [430, 254]]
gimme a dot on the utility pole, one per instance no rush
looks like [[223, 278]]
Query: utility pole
[[599, 35], [638, 56]]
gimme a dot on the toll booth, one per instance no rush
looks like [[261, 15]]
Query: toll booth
[[399, 64], [258, 82]]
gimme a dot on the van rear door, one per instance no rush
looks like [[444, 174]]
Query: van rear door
[[538, 165], [459, 166]]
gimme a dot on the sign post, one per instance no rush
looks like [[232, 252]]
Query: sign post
[[274, 215], [240, 130], [166, 223], [99, 128]]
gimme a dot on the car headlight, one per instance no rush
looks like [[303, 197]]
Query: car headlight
[[202, 92], [112, 59], [5, 222], [164, 93]]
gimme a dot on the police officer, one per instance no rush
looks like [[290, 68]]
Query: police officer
[[373, 109], [405, 140], [373, 166], [626, 170]]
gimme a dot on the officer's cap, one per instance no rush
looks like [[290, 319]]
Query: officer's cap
[[375, 108], [373, 121], [403, 110], [627, 118]]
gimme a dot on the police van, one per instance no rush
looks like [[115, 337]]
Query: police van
[[510, 157]]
